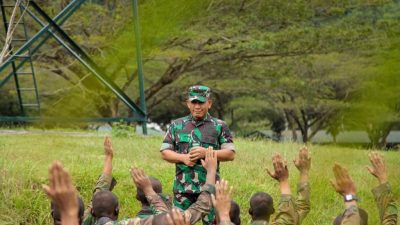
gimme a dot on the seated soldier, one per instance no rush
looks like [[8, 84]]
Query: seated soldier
[[194, 213], [63, 194], [55, 212], [105, 182], [344, 185], [146, 209], [261, 203]]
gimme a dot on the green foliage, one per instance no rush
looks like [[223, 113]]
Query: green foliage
[[25, 160], [123, 130]]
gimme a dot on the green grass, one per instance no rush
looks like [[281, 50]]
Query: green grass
[[25, 159]]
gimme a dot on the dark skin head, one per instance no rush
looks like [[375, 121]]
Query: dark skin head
[[234, 213], [261, 206], [199, 109], [55, 214], [105, 204], [157, 187]]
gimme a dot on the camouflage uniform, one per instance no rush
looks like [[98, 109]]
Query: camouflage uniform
[[351, 216], [195, 212], [289, 212], [286, 215], [386, 204], [302, 203], [151, 210], [184, 134], [104, 183]]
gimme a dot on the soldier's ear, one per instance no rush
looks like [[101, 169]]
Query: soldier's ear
[[251, 211]]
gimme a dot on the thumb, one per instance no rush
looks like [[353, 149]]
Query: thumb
[[203, 163], [213, 200]]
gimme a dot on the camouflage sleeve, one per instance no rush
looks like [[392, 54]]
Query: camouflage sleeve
[[104, 183], [351, 216], [169, 139], [287, 214], [157, 204], [386, 204], [303, 200], [203, 204], [226, 138]]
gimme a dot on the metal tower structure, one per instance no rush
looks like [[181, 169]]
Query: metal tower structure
[[20, 61]]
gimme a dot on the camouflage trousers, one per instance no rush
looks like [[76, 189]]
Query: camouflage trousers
[[184, 201]]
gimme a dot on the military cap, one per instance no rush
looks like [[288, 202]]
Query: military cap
[[199, 92]]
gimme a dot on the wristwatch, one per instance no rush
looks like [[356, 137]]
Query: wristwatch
[[350, 197]]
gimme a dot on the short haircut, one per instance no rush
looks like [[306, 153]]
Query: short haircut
[[261, 205], [55, 213], [157, 187], [363, 215], [234, 213], [105, 204]]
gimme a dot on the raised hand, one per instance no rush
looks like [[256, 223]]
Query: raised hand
[[142, 181], [378, 168], [108, 150], [63, 193], [210, 162], [222, 200], [343, 185], [281, 172], [303, 161]]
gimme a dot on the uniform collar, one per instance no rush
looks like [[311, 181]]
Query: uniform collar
[[206, 118], [198, 123]]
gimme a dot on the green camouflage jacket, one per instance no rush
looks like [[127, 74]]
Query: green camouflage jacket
[[286, 214], [386, 204], [186, 133]]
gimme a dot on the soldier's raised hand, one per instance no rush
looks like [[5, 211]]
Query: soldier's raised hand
[[108, 150], [303, 160], [63, 193], [210, 162], [222, 200], [378, 168], [142, 181], [281, 172], [343, 183]]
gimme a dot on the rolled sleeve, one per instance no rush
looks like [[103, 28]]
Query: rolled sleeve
[[226, 138], [169, 139]]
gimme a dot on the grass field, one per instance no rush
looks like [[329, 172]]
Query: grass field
[[25, 159]]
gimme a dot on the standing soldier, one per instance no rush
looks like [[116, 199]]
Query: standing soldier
[[185, 145]]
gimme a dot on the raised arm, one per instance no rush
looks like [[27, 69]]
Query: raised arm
[[105, 182], [63, 194], [345, 186], [203, 203], [382, 193], [222, 201], [109, 154], [303, 164], [143, 182], [286, 211]]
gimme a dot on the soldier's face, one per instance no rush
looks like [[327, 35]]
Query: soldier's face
[[199, 109]]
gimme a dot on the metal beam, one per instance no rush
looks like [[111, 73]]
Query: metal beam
[[139, 60], [61, 18], [68, 119], [85, 59]]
